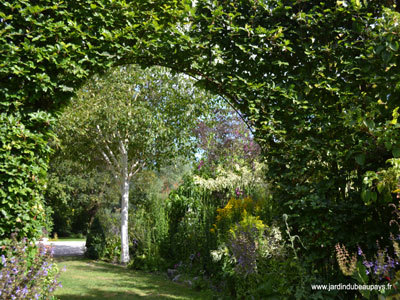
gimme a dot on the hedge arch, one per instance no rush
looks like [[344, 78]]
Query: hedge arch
[[317, 81]]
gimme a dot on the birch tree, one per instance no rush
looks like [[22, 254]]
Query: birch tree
[[132, 119]]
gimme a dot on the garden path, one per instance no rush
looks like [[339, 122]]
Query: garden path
[[67, 248]]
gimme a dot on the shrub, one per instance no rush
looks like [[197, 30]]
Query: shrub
[[103, 238], [383, 268], [23, 154], [148, 228], [95, 241], [27, 271], [245, 247], [190, 213]]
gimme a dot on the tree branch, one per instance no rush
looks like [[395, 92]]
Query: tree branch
[[132, 173], [107, 159], [110, 152]]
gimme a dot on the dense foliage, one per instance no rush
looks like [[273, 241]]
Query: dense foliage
[[147, 219], [130, 120], [24, 152], [318, 81], [75, 193], [47, 51]]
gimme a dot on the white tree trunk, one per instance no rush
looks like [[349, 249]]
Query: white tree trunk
[[124, 212]]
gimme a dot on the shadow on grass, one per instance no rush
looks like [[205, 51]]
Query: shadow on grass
[[86, 279], [98, 294]]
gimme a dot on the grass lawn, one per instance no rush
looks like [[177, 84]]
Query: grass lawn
[[87, 279]]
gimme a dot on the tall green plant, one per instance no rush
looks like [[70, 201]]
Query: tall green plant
[[190, 215]]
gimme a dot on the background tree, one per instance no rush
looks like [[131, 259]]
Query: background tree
[[75, 193], [132, 119], [225, 138]]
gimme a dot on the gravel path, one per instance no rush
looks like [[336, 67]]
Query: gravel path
[[67, 248]]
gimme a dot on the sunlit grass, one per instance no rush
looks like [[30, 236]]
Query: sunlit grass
[[86, 279]]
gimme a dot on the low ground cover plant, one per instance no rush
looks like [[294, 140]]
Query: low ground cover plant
[[27, 271]]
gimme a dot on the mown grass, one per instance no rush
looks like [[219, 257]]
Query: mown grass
[[87, 279]]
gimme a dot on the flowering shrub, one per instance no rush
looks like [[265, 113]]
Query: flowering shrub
[[243, 246], [27, 272], [246, 243], [346, 263], [383, 267], [246, 236], [235, 211], [240, 178]]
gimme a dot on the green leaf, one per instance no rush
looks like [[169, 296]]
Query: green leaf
[[374, 196], [360, 159], [387, 56], [380, 186], [394, 46], [370, 124], [396, 152]]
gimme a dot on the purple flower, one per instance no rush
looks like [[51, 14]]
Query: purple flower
[[200, 165], [360, 251], [3, 260], [25, 291], [238, 192], [42, 250], [368, 264], [391, 262]]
